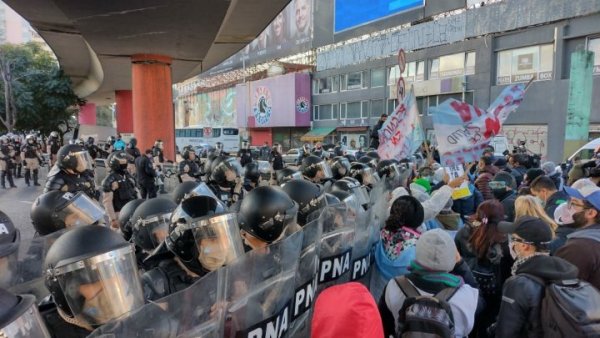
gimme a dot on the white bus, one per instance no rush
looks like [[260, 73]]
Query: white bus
[[200, 136]]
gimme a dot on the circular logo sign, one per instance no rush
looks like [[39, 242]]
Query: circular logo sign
[[302, 104], [262, 106]]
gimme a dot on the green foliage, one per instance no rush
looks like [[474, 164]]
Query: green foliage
[[39, 93]]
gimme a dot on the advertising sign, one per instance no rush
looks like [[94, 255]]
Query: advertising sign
[[353, 13]]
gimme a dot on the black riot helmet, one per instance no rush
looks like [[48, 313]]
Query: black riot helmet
[[354, 188], [187, 151], [10, 237], [225, 172], [125, 217], [150, 222], [351, 158], [308, 195], [203, 234], [251, 172], [266, 212], [368, 160], [90, 140], [183, 189], [19, 316], [374, 154], [118, 160], [110, 140], [132, 142], [56, 210], [74, 157], [312, 164], [362, 172], [340, 167], [388, 168], [97, 258], [287, 174]]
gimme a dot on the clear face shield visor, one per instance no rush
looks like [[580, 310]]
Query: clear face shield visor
[[81, 210], [361, 195], [84, 161], [325, 169], [156, 226], [201, 190], [218, 240], [101, 288], [28, 324], [264, 168]]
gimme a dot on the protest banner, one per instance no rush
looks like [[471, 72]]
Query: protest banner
[[454, 172]]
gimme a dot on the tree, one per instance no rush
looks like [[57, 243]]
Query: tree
[[37, 94]]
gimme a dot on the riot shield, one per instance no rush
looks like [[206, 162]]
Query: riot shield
[[306, 280], [259, 290], [361, 251], [29, 270], [192, 312], [335, 256]]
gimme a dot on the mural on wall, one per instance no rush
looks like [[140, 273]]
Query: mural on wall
[[535, 137], [207, 109]]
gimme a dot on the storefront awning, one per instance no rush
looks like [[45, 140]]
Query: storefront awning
[[317, 134], [352, 129]]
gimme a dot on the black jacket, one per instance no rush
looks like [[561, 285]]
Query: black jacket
[[508, 202], [522, 297], [144, 170], [561, 237], [554, 201]]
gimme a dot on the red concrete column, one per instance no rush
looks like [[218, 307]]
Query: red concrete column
[[153, 102], [87, 114], [124, 111]]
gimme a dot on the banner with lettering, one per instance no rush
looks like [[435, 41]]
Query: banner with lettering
[[463, 131], [402, 134]]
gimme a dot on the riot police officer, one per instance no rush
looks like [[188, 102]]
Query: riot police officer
[[109, 145], [6, 162], [118, 186], [225, 181], [157, 151], [31, 159], [183, 189], [150, 222], [245, 155], [92, 149], [315, 169], [264, 216], [276, 158], [17, 158], [363, 173], [19, 317], [52, 147], [132, 149], [72, 172], [340, 167], [256, 174], [10, 237], [287, 174], [92, 275], [309, 196], [57, 210], [125, 216], [188, 168]]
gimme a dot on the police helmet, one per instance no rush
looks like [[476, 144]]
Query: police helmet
[[187, 151], [92, 274], [309, 197], [125, 217], [388, 168], [118, 160], [340, 167], [203, 234], [74, 157], [374, 154], [30, 138], [362, 172], [132, 142], [110, 140], [287, 174], [368, 160], [251, 172], [312, 164], [19, 316], [90, 140], [351, 158], [54, 134], [266, 212], [56, 210], [10, 237], [245, 144], [150, 222], [353, 187], [225, 172], [183, 189]]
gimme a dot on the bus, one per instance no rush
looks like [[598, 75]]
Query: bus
[[200, 136]]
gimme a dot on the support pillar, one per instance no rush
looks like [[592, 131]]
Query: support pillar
[[124, 111], [152, 99]]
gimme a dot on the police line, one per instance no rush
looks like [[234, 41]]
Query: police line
[[267, 292]]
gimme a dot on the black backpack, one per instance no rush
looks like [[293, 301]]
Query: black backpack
[[570, 308], [424, 316], [487, 275]]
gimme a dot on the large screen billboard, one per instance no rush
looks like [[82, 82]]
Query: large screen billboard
[[353, 13]]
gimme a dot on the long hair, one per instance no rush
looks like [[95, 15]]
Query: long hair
[[405, 211], [529, 206], [488, 215]]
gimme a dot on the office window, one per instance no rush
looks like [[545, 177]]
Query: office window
[[377, 108], [434, 69], [470, 64], [421, 105], [523, 64], [352, 81], [364, 112], [315, 113], [393, 75], [431, 102], [353, 110], [325, 85], [325, 112], [420, 74], [377, 78], [452, 65], [594, 46], [391, 106]]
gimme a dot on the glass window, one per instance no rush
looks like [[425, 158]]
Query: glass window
[[391, 106], [354, 80], [230, 131], [431, 102], [188, 133], [326, 85], [325, 112], [394, 74], [452, 65], [334, 112], [421, 104], [523, 64], [377, 78], [315, 113], [198, 133], [420, 71], [434, 70], [470, 64], [216, 132], [594, 46], [377, 108], [364, 113], [365, 79], [315, 86], [353, 110], [343, 109], [410, 71]]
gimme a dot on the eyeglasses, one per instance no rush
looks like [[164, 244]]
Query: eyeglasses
[[572, 204], [512, 238]]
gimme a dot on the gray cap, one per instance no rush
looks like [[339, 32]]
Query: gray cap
[[436, 251]]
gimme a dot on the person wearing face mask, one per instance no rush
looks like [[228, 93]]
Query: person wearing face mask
[[486, 175], [520, 309], [544, 189], [31, 154], [226, 182], [504, 187], [145, 175], [315, 169], [564, 219], [583, 246], [72, 172]]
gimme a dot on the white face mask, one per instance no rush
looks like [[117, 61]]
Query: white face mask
[[212, 255], [513, 253]]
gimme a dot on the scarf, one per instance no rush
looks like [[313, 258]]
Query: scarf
[[446, 278], [394, 242], [522, 260]]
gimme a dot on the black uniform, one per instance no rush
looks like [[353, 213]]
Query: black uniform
[[133, 152], [57, 327], [59, 179], [277, 160], [245, 156], [7, 165], [145, 175], [164, 279], [54, 145], [126, 188], [31, 152], [193, 168], [157, 152], [93, 150]]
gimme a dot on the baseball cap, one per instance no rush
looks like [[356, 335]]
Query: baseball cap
[[435, 250], [588, 192], [531, 229]]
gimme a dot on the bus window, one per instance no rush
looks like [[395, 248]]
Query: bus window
[[230, 131], [198, 132], [188, 133], [216, 132]]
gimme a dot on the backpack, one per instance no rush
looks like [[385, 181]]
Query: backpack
[[424, 316], [487, 275], [569, 308]]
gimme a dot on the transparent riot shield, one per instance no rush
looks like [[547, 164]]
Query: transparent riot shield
[[306, 280], [28, 269], [335, 256], [259, 290], [361, 251], [193, 312]]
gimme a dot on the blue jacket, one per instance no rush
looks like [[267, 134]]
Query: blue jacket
[[468, 206], [391, 268]]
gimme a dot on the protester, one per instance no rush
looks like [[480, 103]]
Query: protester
[[549, 169], [564, 219], [544, 189], [520, 310], [447, 219], [519, 163], [530, 176], [530, 206], [146, 175], [486, 174], [374, 139], [503, 187]]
